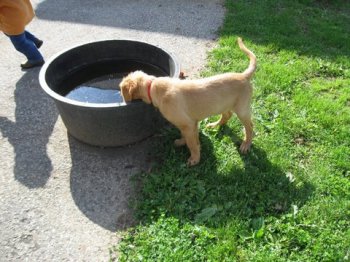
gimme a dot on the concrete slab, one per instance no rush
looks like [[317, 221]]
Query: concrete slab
[[61, 200]]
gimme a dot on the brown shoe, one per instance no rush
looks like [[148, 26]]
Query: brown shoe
[[38, 43], [28, 65]]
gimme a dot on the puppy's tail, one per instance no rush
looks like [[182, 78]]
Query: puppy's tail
[[252, 65]]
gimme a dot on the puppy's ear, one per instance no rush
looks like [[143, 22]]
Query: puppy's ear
[[127, 88]]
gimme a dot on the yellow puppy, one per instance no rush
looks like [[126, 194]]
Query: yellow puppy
[[186, 102]]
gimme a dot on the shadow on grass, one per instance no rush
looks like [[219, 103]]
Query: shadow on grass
[[266, 186], [314, 28], [220, 188]]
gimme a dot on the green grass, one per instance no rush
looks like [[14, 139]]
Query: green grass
[[289, 198]]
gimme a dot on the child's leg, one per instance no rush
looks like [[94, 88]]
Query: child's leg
[[26, 47], [33, 38]]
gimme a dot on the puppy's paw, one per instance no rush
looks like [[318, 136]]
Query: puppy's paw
[[245, 146], [180, 142], [192, 161]]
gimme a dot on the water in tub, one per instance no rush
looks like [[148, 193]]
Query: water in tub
[[99, 90]]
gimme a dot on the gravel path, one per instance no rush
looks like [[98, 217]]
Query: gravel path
[[61, 200]]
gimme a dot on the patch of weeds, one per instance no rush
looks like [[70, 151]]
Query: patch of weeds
[[288, 199], [167, 240]]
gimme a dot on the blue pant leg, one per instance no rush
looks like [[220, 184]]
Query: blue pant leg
[[30, 36], [26, 47]]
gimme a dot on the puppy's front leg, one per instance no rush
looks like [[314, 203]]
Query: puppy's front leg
[[222, 121], [180, 142], [195, 152], [190, 134]]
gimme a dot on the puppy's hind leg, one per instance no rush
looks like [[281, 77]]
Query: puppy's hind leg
[[245, 118], [222, 121]]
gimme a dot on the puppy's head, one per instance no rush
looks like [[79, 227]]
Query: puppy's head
[[130, 86]]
